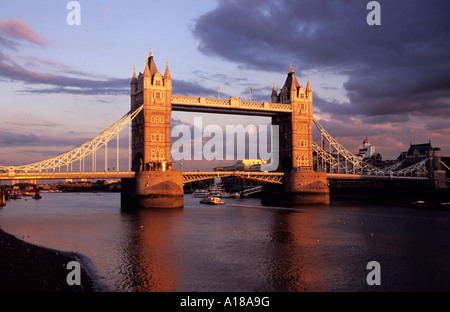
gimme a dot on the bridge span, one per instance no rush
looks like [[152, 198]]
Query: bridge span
[[191, 176], [66, 175]]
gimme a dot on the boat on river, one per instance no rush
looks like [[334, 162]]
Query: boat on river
[[212, 200], [200, 193]]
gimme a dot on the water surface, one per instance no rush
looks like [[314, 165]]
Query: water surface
[[241, 246]]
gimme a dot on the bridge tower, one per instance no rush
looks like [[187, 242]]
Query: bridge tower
[[301, 183], [296, 152], [156, 184]]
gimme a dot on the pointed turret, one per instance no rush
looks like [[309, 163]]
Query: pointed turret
[[134, 72], [150, 68], [308, 86], [134, 78], [291, 70], [134, 82], [167, 72], [309, 93], [274, 96], [167, 77], [291, 84]]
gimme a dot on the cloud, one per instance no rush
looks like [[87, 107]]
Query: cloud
[[397, 73], [29, 124], [8, 138], [400, 67], [191, 88], [61, 83], [21, 31], [49, 65], [45, 76]]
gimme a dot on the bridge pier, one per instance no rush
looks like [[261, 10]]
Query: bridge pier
[[153, 189], [298, 188]]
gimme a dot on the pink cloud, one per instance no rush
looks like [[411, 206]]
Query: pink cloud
[[18, 29], [24, 124]]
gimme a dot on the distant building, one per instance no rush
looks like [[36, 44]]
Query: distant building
[[376, 160], [243, 165], [419, 152], [367, 150], [238, 184]]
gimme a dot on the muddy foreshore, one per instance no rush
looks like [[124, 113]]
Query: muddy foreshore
[[25, 267]]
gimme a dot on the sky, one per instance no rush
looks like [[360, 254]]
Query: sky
[[61, 84]]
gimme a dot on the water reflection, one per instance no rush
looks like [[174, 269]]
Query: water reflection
[[149, 259], [294, 252], [221, 249]]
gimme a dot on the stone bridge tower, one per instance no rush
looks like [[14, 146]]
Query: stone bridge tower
[[156, 184], [296, 153], [301, 184], [151, 129]]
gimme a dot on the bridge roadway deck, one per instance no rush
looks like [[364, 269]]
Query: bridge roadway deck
[[365, 177], [189, 176], [66, 175]]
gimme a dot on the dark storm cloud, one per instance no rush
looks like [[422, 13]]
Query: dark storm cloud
[[7, 138], [401, 67]]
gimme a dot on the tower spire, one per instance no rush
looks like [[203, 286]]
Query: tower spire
[[291, 70], [150, 68], [167, 72], [308, 87]]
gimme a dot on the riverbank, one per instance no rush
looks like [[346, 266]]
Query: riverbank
[[25, 267]]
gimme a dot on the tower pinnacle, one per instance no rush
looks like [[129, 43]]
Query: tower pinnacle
[[291, 70], [167, 73]]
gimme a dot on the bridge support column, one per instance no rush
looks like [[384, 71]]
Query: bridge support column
[[299, 188], [153, 189], [437, 179]]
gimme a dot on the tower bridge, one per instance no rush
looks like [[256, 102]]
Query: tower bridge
[[304, 167]]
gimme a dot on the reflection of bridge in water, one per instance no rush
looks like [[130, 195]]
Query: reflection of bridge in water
[[304, 167]]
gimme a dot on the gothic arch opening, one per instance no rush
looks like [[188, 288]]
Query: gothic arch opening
[[138, 162]]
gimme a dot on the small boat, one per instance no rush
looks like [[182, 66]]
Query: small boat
[[212, 200], [200, 193]]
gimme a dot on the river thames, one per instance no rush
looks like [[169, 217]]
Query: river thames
[[241, 246]]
